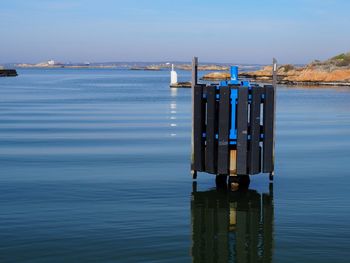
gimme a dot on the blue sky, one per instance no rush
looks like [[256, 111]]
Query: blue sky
[[237, 31]]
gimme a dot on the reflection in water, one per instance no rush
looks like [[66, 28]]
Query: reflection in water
[[232, 226], [173, 111]]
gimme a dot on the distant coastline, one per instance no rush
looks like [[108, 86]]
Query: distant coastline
[[45, 65], [334, 71], [135, 66]]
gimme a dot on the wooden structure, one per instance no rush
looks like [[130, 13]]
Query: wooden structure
[[233, 128]]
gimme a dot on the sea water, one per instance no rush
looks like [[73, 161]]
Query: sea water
[[95, 167]]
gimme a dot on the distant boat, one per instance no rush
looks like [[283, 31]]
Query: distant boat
[[8, 73]]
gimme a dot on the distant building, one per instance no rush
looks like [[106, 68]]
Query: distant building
[[51, 62]]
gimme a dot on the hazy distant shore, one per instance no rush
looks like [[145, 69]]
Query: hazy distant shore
[[155, 67], [62, 66], [334, 71], [135, 66]]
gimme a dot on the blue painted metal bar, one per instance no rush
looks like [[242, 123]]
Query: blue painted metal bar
[[233, 130], [234, 76], [223, 84], [234, 73]]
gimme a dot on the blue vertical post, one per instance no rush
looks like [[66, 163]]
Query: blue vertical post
[[234, 95], [234, 73], [233, 131]]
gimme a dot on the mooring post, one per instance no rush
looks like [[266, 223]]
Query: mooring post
[[274, 72], [274, 83], [193, 84]]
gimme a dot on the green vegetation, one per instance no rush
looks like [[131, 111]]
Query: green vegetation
[[341, 60], [340, 56]]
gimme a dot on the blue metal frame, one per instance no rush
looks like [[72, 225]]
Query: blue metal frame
[[234, 80]]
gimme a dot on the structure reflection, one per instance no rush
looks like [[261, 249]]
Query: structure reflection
[[232, 226]]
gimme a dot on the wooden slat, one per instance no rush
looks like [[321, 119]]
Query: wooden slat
[[268, 158], [211, 130], [254, 149], [198, 128], [242, 130], [224, 130]]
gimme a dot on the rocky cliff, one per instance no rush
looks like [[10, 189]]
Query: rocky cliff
[[335, 71]]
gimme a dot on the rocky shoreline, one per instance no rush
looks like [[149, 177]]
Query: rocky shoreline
[[332, 72]]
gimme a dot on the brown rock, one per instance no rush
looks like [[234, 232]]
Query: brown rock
[[217, 76], [334, 70], [313, 75]]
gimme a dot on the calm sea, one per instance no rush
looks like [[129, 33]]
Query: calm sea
[[94, 167]]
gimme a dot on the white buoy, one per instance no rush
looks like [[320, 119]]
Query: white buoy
[[173, 75]]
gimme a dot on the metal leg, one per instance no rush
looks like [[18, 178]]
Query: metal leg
[[194, 174], [221, 181]]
